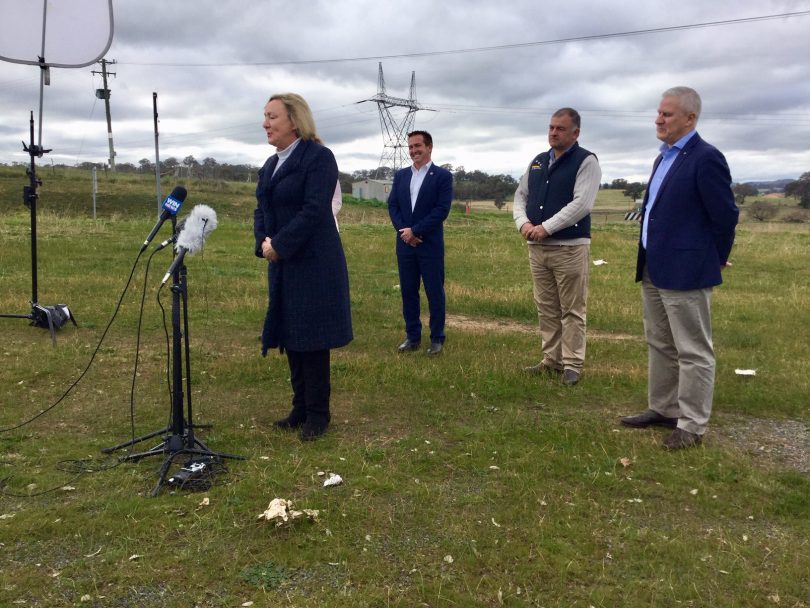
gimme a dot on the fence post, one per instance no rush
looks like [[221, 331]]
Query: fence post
[[95, 189]]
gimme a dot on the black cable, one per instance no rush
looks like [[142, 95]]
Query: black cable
[[92, 358], [168, 355], [138, 351]]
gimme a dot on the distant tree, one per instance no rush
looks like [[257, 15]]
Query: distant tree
[[126, 168], [145, 165], [762, 211], [618, 184], [209, 166], [169, 165], [384, 173], [346, 181], [477, 185], [741, 191], [634, 190], [191, 165], [800, 189]]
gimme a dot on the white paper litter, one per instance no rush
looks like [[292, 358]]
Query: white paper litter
[[333, 480], [281, 511], [745, 372], [599, 262]]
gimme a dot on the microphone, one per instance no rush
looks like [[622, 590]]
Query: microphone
[[173, 238], [170, 206], [199, 224]]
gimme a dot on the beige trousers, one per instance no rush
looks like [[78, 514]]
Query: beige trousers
[[560, 285], [678, 329]]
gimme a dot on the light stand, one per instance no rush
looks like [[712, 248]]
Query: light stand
[[51, 317], [178, 437]]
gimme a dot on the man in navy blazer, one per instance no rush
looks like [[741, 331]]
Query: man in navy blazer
[[687, 231], [418, 204]]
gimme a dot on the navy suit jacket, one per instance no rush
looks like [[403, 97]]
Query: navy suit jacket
[[691, 227], [426, 220], [308, 308]]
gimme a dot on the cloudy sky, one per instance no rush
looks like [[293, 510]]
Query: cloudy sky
[[491, 73]]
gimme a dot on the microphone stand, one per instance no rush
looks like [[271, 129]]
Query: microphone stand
[[179, 435], [52, 317]]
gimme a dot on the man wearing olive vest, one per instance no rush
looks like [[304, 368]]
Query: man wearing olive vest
[[552, 210]]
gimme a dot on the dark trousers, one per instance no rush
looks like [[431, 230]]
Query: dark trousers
[[430, 271], [309, 376]]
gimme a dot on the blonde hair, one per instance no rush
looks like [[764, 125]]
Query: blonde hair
[[300, 115]]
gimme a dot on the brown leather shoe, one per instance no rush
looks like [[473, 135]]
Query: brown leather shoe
[[680, 439], [649, 418], [542, 369]]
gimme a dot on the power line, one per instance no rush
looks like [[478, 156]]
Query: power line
[[485, 49], [792, 118]]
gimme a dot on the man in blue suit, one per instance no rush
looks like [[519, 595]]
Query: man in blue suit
[[688, 224], [418, 204]]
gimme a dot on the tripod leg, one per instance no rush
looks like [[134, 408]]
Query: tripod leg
[[50, 326], [126, 444], [163, 470]]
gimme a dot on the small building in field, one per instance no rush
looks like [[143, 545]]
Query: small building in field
[[372, 188]]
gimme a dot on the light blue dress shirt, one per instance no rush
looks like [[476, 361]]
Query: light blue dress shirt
[[668, 156]]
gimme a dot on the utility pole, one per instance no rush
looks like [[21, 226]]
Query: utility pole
[[105, 95]]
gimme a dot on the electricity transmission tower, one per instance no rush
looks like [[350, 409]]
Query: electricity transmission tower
[[395, 127]]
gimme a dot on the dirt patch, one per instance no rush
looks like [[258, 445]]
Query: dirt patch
[[782, 444], [479, 325], [779, 443]]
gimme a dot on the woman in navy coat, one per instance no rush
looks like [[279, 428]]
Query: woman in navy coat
[[308, 311]]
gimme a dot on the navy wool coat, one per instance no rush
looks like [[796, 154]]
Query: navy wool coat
[[692, 223], [308, 289]]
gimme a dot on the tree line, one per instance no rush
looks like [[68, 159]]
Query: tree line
[[467, 185], [798, 189]]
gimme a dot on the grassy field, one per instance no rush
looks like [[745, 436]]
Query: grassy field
[[466, 482]]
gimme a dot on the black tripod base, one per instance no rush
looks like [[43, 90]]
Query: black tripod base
[[172, 446], [47, 317]]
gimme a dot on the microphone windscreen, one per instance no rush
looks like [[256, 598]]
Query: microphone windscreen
[[199, 224]]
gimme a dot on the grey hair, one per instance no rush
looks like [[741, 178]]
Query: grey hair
[[571, 113], [688, 98]]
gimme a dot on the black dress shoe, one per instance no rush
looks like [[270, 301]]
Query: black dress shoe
[[680, 439], [408, 345], [649, 418], [290, 423], [570, 377], [434, 349], [312, 430], [294, 421]]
